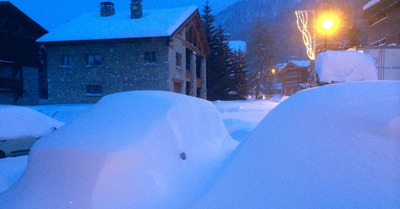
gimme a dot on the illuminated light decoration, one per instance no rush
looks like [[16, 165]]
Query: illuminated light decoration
[[302, 25]]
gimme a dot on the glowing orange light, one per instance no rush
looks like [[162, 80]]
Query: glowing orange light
[[327, 24]]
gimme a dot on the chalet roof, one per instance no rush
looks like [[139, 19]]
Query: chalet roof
[[297, 63], [8, 9], [369, 4], [92, 26]]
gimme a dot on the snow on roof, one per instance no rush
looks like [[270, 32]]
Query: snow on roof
[[343, 66], [299, 63], [370, 3], [237, 45], [92, 26], [19, 122]]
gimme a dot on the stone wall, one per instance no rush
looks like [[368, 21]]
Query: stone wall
[[176, 72], [122, 68]]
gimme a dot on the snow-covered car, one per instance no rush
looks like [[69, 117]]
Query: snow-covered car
[[21, 127], [16, 147], [140, 149]]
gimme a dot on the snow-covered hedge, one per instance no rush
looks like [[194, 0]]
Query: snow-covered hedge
[[345, 66]]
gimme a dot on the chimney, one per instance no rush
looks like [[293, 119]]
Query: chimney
[[107, 9], [136, 9]]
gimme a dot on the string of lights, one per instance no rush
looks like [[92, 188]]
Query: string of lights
[[302, 25]]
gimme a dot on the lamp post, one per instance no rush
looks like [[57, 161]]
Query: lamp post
[[327, 25]]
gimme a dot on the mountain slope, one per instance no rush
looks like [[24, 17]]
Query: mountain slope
[[280, 14]]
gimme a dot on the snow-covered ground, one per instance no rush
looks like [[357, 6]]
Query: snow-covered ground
[[335, 146]]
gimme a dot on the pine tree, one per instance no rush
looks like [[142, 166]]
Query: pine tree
[[219, 61], [239, 86], [261, 57]]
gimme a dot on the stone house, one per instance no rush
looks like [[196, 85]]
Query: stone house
[[19, 63], [100, 54], [383, 18], [294, 76]]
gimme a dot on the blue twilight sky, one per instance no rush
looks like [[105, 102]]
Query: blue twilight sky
[[52, 13]]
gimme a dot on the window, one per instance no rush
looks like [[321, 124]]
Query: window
[[150, 58], [94, 90], [93, 59], [67, 60], [178, 60]]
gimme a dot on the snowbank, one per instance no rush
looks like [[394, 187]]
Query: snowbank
[[11, 169], [344, 66], [335, 146], [143, 149], [19, 122], [241, 117]]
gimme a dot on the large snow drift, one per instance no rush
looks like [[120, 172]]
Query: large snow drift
[[20, 122], [144, 149], [344, 66], [335, 146]]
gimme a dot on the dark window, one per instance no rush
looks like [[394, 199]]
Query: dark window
[[67, 60], [94, 90], [188, 87], [178, 60], [93, 59], [150, 58], [177, 87]]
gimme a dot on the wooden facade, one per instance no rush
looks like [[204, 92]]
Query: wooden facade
[[293, 78], [18, 55], [383, 18]]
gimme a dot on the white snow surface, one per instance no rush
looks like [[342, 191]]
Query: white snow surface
[[20, 122], [328, 147], [344, 66], [335, 146], [92, 26], [301, 63], [125, 153]]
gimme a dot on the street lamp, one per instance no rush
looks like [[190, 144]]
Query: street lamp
[[327, 24]]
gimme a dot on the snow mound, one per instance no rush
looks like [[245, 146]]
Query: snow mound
[[144, 149], [20, 122], [335, 146], [344, 66]]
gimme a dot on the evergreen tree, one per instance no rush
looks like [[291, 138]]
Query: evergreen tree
[[353, 36], [220, 71], [261, 57], [239, 88]]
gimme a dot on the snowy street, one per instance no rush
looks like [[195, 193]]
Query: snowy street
[[324, 147]]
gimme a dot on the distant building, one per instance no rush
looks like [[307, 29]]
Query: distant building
[[100, 54], [383, 17], [19, 63], [294, 76], [387, 61]]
